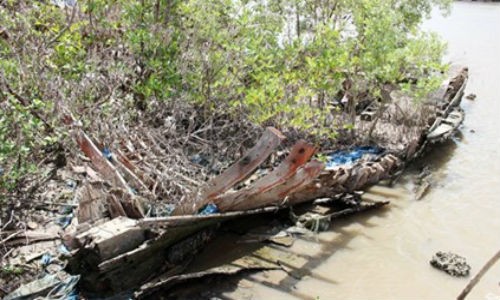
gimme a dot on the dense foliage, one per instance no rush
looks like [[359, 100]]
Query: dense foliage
[[287, 63]]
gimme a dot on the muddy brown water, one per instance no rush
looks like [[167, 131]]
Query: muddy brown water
[[385, 254]]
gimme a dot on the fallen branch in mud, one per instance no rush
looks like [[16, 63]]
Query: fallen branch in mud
[[478, 276]]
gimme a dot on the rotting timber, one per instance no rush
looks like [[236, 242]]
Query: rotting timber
[[116, 247]]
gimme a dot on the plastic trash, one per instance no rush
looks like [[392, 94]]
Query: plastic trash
[[47, 287], [66, 209], [64, 250], [71, 184], [66, 289], [107, 153], [348, 157], [64, 221], [200, 159], [46, 259], [209, 209]]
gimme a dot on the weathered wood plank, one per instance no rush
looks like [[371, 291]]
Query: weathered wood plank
[[238, 171], [103, 166], [112, 238], [277, 194], [144, 180], [247, 164], [189, 220], [91, 206], [299, 155], [109, 172]]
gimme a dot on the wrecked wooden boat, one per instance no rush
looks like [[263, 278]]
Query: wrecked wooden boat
[[444, 128], [451, 115], [116, 236]]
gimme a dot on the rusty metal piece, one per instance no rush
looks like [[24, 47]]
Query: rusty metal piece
[[277, 194], [299, 155]]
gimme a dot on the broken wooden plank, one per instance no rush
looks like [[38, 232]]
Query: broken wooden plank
[[247, 164], [254, 261], [144, 180], [299, 155], [132, 204], [91, 206], [26, 237], [109, 172], [277, 194], [237, 172], [102, 165], [165, 255], [189, 220], [112, 238], [115, 208]]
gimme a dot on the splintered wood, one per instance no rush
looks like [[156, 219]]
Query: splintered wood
[[114, 247], [237, 172], [247, 164], [245, 198], [130, 204]]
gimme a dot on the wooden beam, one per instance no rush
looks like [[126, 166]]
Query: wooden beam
[[299, 155], [109, 172], [277, 194], [237, 172]]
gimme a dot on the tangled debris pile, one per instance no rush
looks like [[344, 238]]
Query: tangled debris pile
[[147, 198]]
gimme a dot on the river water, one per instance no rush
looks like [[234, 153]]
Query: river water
[[385, 255]]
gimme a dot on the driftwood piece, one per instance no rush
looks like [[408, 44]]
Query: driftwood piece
[[299, 155], [238, 171], [478, 276], [277, 194], [15, 238]]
